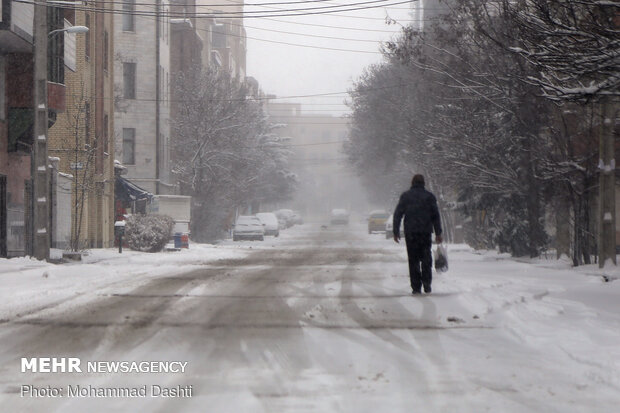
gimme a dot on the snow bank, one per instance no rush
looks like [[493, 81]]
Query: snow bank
[[28, 285]]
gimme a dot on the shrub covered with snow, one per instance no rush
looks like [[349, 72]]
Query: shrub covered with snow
[[148, 233]]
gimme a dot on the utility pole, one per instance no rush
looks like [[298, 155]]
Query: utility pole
[[40, 172], [158, 96], [607, 196]]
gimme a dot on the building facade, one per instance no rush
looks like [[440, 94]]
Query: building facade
[[224, 39], [142, 95], [17, 116], [82, 137]]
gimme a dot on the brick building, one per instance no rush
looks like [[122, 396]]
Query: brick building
[[82, 137]]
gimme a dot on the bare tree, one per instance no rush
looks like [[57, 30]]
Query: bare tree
[[79, 148]]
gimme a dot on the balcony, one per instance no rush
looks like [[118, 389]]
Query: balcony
[[16, 27]]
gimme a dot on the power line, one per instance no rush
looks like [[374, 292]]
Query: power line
[[299, 44], [328, 26], [294, 44], [315, 144], [313, 104], [276, 9], [229, 4], [319, 111], [223, 15], [311, 35], [311, 46], [218, 12], [215, 8], [262, 98], [306, 34]]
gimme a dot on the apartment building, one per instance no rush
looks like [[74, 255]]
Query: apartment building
[[142, 93], [224, 39]]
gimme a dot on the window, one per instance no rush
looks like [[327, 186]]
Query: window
[[129, 146], [87, 37], [69, 15], [55, 46], [105, 50], [129, 18], [129, 80], [219, 36]]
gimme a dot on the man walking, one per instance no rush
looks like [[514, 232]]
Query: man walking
[[419, 207]]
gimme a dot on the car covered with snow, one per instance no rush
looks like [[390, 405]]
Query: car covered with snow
[[339, 216], [248, 227], [376, 220], [297, 218], [286, 216], [270, 223]]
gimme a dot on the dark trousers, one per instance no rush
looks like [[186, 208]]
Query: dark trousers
[[420, 261]]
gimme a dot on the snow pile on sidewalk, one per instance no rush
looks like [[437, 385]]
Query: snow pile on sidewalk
[[28, 285]]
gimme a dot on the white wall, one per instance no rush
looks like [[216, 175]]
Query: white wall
[[61, 236]]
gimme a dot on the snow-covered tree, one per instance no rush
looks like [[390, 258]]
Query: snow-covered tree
[[458, 103], [574, 44], [225, 151]]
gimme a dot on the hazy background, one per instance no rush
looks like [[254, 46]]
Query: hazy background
[[307, 66]]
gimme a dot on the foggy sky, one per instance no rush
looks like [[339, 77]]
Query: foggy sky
[[287, 70]]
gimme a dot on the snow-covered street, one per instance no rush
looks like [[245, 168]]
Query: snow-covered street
[[317, 320]]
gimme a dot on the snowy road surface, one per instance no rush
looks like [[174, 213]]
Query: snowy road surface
[[318, 320]]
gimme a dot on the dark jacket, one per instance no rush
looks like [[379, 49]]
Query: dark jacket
[[419, 207]]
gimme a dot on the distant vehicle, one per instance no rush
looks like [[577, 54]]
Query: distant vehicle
[[297, 218], [281, 222], [286, 216], [248, 227], [376, 221], [389, 228], [339, 217], [270, 222]]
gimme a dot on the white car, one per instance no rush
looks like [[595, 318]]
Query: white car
[[248, 227], [339, 216], [286, 216], [389, 228], [270, 222], [297, 218]]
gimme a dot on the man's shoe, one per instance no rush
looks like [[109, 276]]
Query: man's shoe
[[416, 292], [427, 289]]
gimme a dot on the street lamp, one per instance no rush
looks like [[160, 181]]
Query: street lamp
[[72, 29]]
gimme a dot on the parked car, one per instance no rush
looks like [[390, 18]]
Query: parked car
[[281, 222], [270, 222], [339, 217], [376, 220], [248, 227], [297, 218], [286, 216], [389, 228]]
